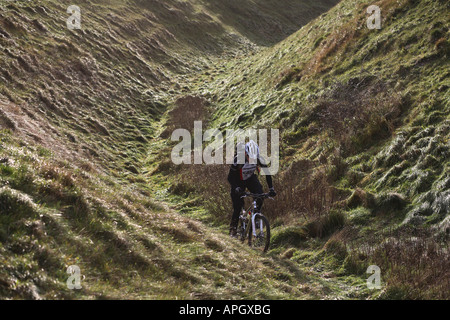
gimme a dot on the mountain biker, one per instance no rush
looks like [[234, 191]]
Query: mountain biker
[[242, 176]]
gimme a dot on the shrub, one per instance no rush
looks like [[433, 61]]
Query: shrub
[[420, 266], [334, 221], [306, 192], [288, 76], [413, 267], [327, 224], [389, 202], [337, 247], [15, 202], [354, 264], [359, 113], [187, 110], [289, 236], [360, 198]]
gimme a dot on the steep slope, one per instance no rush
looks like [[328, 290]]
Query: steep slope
[[78, 110], [381, 97], [85, 170], [266, 22], [122, 67], [364, 118], [127, 246]]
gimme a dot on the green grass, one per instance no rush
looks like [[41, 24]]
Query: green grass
[[127, 246], [85, 180], [379, 97]]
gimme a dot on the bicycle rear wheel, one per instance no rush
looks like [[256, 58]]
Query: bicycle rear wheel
[[262, 239]]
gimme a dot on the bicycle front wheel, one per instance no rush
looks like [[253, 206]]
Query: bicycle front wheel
[[262, 239]]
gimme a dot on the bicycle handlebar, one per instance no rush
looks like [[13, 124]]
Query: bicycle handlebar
[[256, 196]]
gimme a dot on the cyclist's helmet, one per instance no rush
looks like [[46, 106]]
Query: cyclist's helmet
[[240, 148], [240, 153], [252, 150]]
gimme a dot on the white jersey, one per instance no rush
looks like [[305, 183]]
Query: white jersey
[[247, 171], [244, 172]]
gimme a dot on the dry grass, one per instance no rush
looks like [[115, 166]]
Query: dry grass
[[413, 266], [209, 182], [337, 41], [419, 265], [303, 192], [305, 195], [343, 38], [304, 189], [359, 113], [188, 109], [288, 75]]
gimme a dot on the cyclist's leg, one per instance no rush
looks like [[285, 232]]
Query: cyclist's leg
[[238, 203], [255, 186]]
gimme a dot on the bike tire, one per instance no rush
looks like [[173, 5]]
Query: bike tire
[[262, 244]]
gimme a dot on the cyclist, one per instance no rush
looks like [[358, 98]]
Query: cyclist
[[242, 176]]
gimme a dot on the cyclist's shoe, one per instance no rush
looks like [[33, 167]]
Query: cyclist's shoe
[[233, 233]]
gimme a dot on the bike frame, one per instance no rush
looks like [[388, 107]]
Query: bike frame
[[254, 215]]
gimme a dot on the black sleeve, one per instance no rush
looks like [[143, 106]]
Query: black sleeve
[[233, 175], [269, 181], [263, 164]]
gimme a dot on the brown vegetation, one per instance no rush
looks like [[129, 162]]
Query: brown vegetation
[[413, 266], [359, 113]]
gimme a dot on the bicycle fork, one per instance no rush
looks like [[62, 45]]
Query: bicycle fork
[[255, 208], [252, 219]]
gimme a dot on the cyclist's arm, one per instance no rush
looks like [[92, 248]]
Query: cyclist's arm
[[262, 164], [233, 175], [269, 181]]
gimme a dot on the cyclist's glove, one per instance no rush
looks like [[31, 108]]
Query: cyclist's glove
[[272, 192], [239, 190]]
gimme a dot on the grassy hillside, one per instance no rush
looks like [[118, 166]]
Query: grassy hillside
[[79, 110], [379, 98], [102, 86], [364, 117], [85, 171], [127, 246]]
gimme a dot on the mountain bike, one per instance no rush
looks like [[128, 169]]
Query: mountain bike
[[254, 225]]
